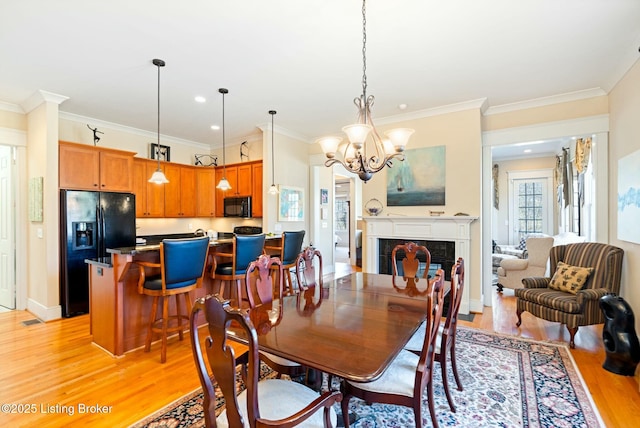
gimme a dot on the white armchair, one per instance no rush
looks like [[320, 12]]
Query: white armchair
[[511, 271]]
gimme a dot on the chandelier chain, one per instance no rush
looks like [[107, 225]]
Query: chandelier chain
[[364, 51]]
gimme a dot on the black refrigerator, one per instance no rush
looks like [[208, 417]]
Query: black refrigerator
[[90, 222]]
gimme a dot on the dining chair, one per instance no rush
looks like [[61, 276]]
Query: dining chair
[[404, 380], [308, 271], [182, 265], [290, 247], [446, 341], [244, 250], [261, 290], [268, 402], [409, 266]]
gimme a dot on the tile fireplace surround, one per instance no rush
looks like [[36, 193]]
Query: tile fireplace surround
[[445, 228]]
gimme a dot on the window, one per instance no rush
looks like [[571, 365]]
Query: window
[[530, 204], [530, 207], [342, 215]]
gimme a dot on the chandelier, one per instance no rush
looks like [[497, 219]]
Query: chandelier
[[366, 152]]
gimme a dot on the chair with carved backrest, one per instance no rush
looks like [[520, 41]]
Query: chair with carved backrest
[[410, 265], [244, 250], [261, 291], [291, 245], [269, 402], [404, 380], [182, 266], [446, 342]]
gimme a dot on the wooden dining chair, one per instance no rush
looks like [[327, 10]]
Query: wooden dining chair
[[244, 250], [261, 290], [409, 266], [309, 268], [269, 402], [182, 265], [446, 342], [404, 380], [290, 247]]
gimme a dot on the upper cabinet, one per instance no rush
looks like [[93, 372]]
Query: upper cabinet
[[149, 196], [180, 191], [245, 180], [84, 167], [205, 189]]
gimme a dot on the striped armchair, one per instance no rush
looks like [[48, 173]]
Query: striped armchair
[[567, 308]]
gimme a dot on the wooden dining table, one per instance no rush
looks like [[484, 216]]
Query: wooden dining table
[[351, 327]]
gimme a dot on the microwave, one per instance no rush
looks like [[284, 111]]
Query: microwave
[[237, 207]]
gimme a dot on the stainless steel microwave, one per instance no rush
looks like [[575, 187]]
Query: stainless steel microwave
[[237, 207]]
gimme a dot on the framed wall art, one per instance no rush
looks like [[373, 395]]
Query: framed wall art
[[419, 179], [324, 196], [291, 204], [628, 201]]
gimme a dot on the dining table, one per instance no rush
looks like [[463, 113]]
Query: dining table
[[351, 327]]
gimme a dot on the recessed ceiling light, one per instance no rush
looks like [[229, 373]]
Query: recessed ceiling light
[[402, 106], [215, 127], [200, 99], [527, 150]]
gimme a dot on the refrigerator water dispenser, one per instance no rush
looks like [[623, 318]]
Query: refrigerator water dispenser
[[84, 235]]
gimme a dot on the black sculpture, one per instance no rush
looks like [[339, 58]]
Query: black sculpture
[[619, 335]]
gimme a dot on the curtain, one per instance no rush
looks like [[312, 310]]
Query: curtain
[[581, 161], [496, 194]]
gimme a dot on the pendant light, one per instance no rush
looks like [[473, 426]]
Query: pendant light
[[158, 176], [273, 190], [224, 183]]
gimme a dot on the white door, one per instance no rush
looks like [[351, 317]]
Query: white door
[[531, 205], [7, 233]]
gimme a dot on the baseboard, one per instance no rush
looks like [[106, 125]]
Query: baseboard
[[43, 312], [637, 376]]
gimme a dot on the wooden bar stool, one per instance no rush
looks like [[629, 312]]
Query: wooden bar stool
[[182, 265]]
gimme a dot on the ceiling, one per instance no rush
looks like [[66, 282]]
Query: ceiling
[[304, 58]]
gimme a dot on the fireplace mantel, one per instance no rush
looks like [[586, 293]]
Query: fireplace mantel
[[442, 228]]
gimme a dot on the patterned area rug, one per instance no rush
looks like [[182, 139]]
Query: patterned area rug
[[508, 382]]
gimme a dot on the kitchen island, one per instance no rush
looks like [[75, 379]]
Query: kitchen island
[[119, 315]]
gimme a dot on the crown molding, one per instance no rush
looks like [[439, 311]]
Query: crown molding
[[39, 97], [14, 108], [478, 104], [545, 101], [266, 127], [136, 131]]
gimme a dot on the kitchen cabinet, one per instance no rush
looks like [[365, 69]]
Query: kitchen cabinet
[[242, 177], [180, 191], [149, 196], [257, 191], [84, 167], [205, 189]]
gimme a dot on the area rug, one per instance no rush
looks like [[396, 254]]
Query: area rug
[[508, 382]]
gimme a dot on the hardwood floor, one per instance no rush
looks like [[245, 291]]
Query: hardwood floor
[[51, 369]]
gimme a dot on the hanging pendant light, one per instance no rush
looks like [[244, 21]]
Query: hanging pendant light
[[366, 152], [158, 176], [273, 190], [224, 183]]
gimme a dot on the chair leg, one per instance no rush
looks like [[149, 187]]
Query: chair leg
[[344, 405], [152, 320], [572, 334], [519, 314], [445, 381], [432, 410], [454, 365], [165, 325], [179, 317]]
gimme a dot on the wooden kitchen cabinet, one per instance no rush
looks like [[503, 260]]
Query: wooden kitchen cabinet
[[232, 178], [206, 190], [242, 177], [84, 167], [149, 196], [180, 191], [257, 192]]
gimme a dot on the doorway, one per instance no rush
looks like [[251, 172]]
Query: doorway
[[7, 230], [342, 219]]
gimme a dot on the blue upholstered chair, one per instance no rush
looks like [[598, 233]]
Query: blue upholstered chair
[[291, 246], [281, 402], [181, 268], [245, 249]]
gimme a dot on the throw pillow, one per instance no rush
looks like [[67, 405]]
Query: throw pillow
[[569, 278], [523, 244]]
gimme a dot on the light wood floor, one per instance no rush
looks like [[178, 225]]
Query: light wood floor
[[54, 367]]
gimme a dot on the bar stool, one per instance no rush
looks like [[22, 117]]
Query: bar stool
[[291, 246], [182, 265], [245, 249]]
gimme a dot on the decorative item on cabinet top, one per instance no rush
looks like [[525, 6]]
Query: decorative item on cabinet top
[[162, 152], [205, 160]]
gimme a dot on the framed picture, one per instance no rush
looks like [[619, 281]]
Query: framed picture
[[160, 152], [419, 180], [291, 204], [324, 196], [628, 203]]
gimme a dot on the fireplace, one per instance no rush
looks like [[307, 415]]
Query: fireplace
[[443, 255], [446, 238]]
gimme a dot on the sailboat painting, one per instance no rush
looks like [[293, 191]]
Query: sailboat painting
[[419, 180]]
